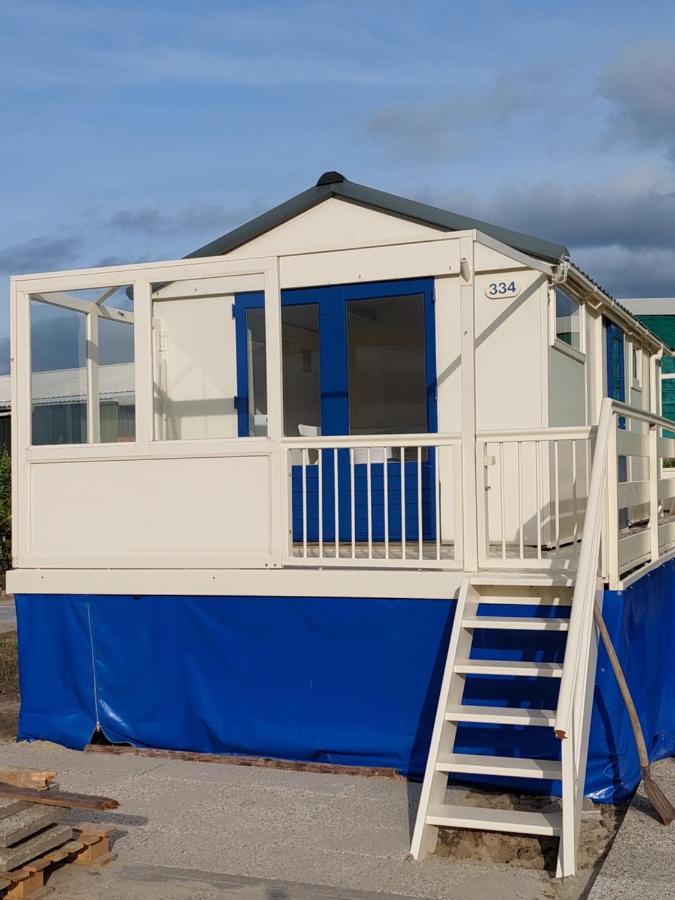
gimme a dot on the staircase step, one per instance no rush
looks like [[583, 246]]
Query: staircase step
[[512, 820], [526, 600], [509, 667], [515, 623], [500, 715], [504, 766]]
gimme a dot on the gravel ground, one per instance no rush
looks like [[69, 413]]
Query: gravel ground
[[207, 830], [641, 862]]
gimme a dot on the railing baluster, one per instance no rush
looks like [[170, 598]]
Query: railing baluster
[[501, 497], [556, 476], [521, 524], [420, 536], [304, 502], [537, 466], [336, 493], [369, 505], [386, 504], [352, 500], [437, 499], [575, 503], [320, 511], [403, 547]]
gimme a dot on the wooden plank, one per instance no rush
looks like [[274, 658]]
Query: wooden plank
[[630, 443], [12, 857], [58, 798], [632, 493], [26, 778], [263, 762], [28, 822], [8, 806], [633, 548]]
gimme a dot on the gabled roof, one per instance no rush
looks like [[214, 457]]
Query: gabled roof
[[333, 184]]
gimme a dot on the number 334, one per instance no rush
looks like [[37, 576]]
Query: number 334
[[502, 289]]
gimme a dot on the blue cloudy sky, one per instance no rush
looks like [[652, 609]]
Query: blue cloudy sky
[[134, 131]]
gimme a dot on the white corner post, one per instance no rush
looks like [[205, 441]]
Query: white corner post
[[468, 382], [144, 357], [93, 394], [654, 475], [275, 419]]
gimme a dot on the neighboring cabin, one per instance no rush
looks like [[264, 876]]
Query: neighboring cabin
[[658, 314]]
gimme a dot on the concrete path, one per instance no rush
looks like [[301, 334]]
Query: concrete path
[[641, 862], [7, 614], [210, 830]]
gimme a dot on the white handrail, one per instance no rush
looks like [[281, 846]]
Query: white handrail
[[584, 588]]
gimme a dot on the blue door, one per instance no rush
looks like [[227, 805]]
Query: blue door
[[357, 359]]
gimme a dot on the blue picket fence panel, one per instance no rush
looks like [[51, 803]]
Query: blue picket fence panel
[[394, 505]]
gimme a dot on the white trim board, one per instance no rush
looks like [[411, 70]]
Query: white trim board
[[388, 584]]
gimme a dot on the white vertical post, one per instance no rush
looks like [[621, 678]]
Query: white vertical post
[[612, 506], [386, 503], [143, 364], [403, 547], [352, 501], [93, 394], [420, 535], [654, 491], [468, 381], [320, 513], [279, 495]]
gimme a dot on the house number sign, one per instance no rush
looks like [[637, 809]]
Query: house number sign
[[502, 289]]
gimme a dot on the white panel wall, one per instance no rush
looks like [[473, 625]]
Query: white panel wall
[[510, 372], [567, 394], [179, 511], [197, 381], [333, 223]]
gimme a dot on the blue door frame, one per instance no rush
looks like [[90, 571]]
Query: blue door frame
[[334, 385]]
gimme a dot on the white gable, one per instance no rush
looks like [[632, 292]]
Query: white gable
[[333, 223]]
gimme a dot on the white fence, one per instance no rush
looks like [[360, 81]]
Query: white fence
[[393, 501], [532, 491]]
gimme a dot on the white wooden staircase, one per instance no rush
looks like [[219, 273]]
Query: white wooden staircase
[[464, 661], [564, 607]]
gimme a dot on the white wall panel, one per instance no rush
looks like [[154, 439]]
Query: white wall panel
[[180, 509]]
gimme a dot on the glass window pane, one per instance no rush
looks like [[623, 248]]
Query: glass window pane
[[257, 372], [70, 329], [117, 406], [58, 375], [195, 365], [567, 320], [302, 387], [387, 366]]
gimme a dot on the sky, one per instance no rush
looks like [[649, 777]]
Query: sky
[[140, 131]]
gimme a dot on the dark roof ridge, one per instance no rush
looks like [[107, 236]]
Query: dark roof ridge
[[333, 184]]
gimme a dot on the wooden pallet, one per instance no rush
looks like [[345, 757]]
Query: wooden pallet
[[91, 847]]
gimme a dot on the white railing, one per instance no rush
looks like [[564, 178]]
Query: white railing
[[641, 493], [532, 492], [576, 686], [393, 501], [628, 524]]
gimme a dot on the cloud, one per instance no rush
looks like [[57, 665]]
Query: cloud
[[621, 231], [635, 211], [437, 129], [192, 219], [630, 273], [640, 85], [40, 254]]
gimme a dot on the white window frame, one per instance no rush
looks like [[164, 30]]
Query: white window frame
[[636, 364], [555, 342]]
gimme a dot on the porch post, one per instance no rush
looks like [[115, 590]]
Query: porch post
[[468, 380], [275, 423]]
